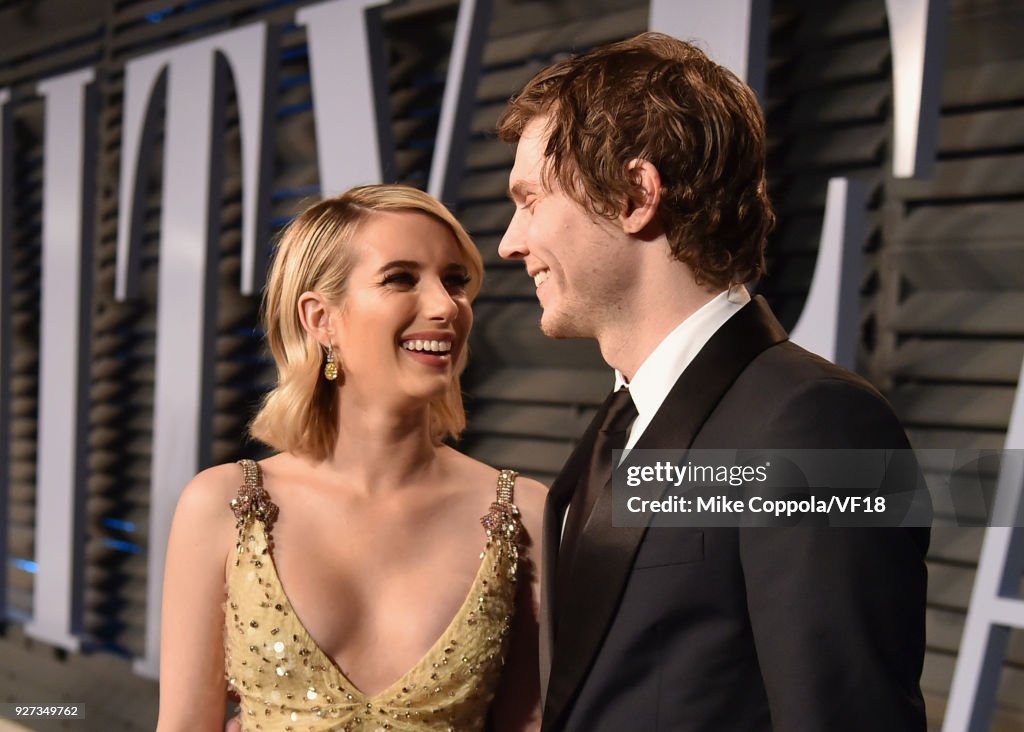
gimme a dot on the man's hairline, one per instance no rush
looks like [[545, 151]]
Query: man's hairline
[[546, 133]]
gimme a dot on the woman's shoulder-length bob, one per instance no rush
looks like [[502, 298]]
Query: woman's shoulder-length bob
[[315, 253]]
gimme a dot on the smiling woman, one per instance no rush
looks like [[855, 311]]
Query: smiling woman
[[316, 257], [408, 292], [348, 581]]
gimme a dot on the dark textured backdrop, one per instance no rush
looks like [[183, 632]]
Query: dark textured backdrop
[[942, 332]]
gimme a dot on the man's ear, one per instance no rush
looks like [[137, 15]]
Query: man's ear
[[638, 214], [316, 317]]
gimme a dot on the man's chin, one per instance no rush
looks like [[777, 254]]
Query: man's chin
[[556, 326]]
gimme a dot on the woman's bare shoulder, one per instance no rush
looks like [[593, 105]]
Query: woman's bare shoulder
[[283, 468], [207, 497], [528, 494], [529, 499]]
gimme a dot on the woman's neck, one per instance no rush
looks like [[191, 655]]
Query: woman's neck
[[379, 450]]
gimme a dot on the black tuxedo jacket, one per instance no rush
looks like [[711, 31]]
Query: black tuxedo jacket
[[739, 629]]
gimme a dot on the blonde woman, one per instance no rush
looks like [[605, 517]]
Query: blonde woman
[[367, 576]]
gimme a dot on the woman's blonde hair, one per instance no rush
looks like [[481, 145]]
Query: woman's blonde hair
[[315, 253]]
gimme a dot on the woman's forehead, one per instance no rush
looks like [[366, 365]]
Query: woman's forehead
[[405, 236]]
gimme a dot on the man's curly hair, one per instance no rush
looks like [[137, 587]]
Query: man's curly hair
[[662, 100]]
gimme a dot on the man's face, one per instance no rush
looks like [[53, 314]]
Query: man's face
[[576, 259]]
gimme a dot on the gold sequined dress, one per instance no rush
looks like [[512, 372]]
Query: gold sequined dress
[[286, 682]]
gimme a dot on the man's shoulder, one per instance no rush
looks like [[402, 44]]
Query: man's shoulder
[[790, 365], [792, 397]]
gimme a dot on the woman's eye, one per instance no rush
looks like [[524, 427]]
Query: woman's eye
[[400, 279], [457, 283]]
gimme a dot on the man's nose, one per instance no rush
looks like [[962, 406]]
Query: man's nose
[[513, 244]]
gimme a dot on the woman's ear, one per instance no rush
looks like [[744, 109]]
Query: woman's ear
[[639, 214], [316, 317]]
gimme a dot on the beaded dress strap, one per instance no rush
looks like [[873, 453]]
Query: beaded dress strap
[[253, 501], [506, 485], [502, 521]]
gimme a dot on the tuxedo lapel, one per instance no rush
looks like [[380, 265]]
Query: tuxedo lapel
[[709, 376], [604, 555], [554, 512]]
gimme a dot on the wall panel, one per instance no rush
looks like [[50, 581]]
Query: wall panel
[[941, 328]]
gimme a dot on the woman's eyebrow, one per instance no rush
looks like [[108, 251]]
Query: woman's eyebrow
[[401, 264]]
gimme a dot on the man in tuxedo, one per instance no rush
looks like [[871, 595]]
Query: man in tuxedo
[[641, 211]]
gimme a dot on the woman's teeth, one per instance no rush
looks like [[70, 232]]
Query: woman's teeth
[[430, 346]]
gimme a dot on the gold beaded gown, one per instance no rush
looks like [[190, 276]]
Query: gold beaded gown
[[286, 682]]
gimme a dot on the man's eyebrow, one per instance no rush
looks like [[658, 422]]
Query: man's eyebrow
[[517, 191]]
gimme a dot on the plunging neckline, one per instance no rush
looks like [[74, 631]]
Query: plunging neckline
[[488, 554]]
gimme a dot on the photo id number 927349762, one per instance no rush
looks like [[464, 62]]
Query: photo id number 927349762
[[42, 711]]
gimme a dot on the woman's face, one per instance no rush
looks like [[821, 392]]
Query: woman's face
[[403, 322]]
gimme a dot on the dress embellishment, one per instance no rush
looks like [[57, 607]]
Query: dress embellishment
[[252, 501], [502, 521]]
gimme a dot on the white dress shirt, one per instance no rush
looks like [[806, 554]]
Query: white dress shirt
[[660, 370]]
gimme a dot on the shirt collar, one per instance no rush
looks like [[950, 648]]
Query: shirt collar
[[666, 363]]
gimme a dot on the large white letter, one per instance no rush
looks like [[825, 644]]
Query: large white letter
[[63, 357], [732, 32], [350, 111], [6, 294], [453, 127], [188, 243], [996, 606], [917, 34], [828, 324]]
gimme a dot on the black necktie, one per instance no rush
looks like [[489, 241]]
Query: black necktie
[[611, 436]]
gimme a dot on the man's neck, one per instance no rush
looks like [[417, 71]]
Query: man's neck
[[627, 342]]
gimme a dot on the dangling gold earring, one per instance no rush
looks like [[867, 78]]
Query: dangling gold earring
[[330, 367]]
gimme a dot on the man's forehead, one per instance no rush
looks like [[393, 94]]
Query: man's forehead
[[528, 166], [537, 127]]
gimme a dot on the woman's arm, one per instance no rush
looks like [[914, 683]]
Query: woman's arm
[[192, 685], [517, 704]]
